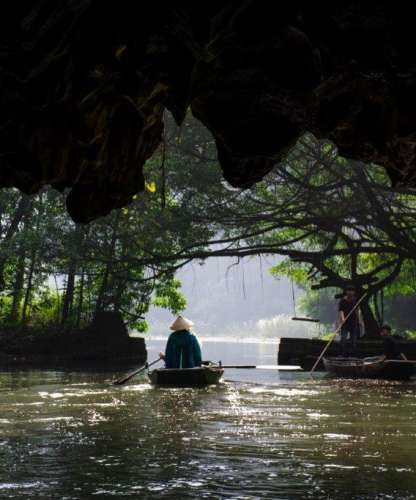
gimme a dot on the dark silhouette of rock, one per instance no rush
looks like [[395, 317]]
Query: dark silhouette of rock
[[84, 84], [109, 325], [106, 340]]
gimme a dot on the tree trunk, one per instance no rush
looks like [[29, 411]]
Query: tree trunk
[[69, 293], [75, 257], [28, 288], [103, 289], [120, 288], [22, 210], [108, 268], [80, 299], [18, 288], [372, 328], [58, 299]]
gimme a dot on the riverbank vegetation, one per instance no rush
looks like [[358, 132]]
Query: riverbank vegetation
[[333, 220], [56, 272]]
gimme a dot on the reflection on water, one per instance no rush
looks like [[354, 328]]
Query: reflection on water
[[74, 436]]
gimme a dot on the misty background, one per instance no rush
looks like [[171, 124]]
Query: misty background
[[230, 298]]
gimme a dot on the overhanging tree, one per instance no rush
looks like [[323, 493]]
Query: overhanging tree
[[339, 220], [336, 222]]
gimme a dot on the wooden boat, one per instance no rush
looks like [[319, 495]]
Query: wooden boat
[[370, 367], [187, 377]]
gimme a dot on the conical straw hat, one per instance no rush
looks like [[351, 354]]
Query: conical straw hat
[[181, 323]]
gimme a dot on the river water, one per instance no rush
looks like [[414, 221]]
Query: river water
[[72, 435]]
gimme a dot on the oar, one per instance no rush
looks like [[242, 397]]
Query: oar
[[130, 375], [244, 367], [336, 332], [262, 367], [401, 361]]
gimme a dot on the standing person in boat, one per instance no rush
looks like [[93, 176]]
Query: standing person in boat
[[391, 343], [351, 327], [182, 349]]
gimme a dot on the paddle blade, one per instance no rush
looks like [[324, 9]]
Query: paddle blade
[[126, 378]]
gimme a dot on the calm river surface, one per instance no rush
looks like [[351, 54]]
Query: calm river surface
[[72, 435]]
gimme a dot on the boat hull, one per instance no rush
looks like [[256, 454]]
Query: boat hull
[[371, 367], [186, 377], [393, 371]]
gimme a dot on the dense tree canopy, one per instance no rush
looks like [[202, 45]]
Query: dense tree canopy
[[55, 270], [335, 221]]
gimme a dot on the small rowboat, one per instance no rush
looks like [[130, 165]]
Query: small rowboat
[[371, 367], [187, 377]]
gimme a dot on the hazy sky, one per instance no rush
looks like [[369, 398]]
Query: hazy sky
[[221, 294]]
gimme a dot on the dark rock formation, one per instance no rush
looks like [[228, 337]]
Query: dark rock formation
[[105, 341], [84, 84], [109, 325]]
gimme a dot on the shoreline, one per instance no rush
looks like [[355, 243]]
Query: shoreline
[[239, 340]]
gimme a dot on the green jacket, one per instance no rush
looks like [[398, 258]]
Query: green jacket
[[182, 350]]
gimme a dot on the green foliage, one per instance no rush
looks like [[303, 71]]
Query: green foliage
[[57, 272], [320, 304], [168, 296], [327, 336], [44, 309], [298, 274], [331, 219]]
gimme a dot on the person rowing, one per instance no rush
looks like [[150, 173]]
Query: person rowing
[[182, 349], [350, 319]]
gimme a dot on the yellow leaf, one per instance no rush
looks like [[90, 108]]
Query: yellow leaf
[[119, 51], [151, 187], [125, 211]]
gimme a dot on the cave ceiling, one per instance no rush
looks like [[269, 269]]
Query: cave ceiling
[[84, 85]]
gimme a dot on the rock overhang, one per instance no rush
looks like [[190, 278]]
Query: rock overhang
[[85, 84]]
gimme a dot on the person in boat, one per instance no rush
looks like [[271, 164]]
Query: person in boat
[[350, 329], [182, 349], [391, 343]]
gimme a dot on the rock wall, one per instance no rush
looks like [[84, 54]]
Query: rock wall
[[84, 84], [105, 341]]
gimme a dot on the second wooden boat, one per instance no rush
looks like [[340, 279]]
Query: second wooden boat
[[370, 367], [186, 377]]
